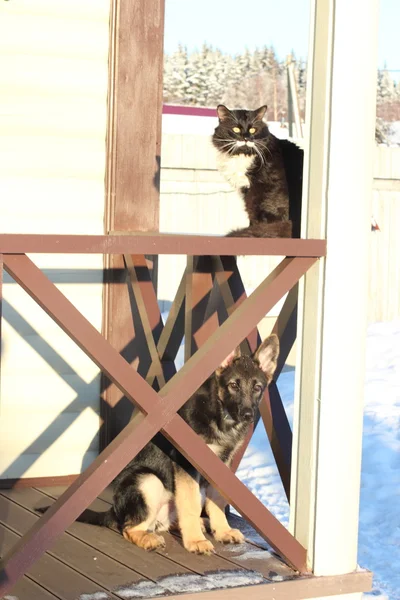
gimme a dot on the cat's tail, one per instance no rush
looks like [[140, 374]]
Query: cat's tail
[[104, 519], [281, 229]]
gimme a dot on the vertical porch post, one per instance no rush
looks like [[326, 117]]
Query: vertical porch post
[[132, 177], [333, 297]]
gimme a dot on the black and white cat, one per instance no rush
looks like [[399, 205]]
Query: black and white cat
[[266, 170]]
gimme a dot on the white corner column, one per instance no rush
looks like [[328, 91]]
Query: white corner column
[[340, 123]]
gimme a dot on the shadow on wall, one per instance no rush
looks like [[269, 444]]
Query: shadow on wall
[[85, 391]]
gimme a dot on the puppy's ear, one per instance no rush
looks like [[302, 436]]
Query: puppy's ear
[[229, 359], [267, 355]]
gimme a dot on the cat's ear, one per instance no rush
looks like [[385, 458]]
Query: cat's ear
[[259, 114], [223, 112]]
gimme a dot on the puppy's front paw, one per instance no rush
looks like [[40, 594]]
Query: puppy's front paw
[[199, 546], [144, 539], [230, 536]]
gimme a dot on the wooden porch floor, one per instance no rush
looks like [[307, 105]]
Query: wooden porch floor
[[93, 563]]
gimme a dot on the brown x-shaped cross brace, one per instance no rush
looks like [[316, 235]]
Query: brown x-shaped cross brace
[[160, 413]]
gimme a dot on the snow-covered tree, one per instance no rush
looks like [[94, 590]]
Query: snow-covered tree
[[176, 70], [208, 77], [386, 86]]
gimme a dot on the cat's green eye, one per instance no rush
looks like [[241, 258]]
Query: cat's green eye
[[236, 129], [252, 130]]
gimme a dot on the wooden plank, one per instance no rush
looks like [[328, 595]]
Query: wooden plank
[[137, 106], [92, 564], [286, 328], [59, 579], [172, 334], [299, 589], [174, 549], [126, 336], [26, 589], [36, 481], [245, 556], [104, 540], [233, 292], [162, 243], [199, 285], [149, 313], [252, 556]]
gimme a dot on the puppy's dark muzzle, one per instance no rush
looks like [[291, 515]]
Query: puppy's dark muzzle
[[247, 414]]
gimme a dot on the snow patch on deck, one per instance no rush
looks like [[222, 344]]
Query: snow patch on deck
[[181, 584]]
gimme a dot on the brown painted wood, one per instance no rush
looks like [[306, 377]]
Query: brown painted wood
[[248, 556], [269, 563], [299, 589], [141, 429], [161, 243], [245, 556], [156, 563], [306, 588], [286, 328], [234, 293], [133, 173], [101, 569], [173, 332], [279, 433], [199, 285], [6, 484], [110, 543], [149, 565], [150, 316], [26, 589], [137, 108], [53, 575], [115, 408]]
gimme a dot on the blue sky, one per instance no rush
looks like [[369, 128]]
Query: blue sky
[[233, 25]]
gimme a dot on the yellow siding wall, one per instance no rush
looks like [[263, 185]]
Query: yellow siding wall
[[53, 103]]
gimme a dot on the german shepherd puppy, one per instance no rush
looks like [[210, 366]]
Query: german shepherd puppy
[[159, 489]]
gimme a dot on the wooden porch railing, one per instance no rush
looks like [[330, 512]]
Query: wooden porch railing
[[212, 311]]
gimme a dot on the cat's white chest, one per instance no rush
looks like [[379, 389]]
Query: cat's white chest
[[234, 168]]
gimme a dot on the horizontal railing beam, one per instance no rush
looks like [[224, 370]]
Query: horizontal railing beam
[[159, 243]]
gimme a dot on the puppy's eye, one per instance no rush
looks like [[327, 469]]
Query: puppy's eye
[[233, 385], [257, 387], [236, 129], [252, 130]]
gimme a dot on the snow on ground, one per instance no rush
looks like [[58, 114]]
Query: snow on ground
[[394, 134], [379, 537]]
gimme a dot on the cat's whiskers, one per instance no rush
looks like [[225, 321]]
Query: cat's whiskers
[[229, 144], [264, 146]]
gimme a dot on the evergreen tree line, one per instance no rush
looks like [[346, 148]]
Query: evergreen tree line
[[209, 77]]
